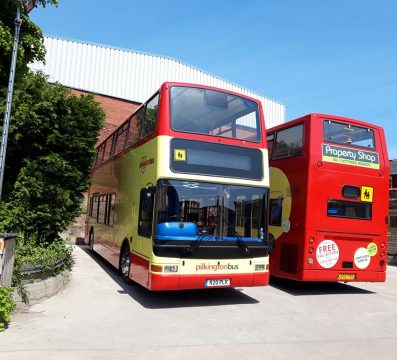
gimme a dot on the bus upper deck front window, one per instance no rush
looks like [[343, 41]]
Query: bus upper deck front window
[[216, 113], [347, 134]]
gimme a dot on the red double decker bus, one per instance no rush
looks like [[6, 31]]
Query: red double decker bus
[[179, 194], [328, 199]]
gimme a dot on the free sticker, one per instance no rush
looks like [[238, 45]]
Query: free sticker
[[327, 253], [372, 249], [362, 258]]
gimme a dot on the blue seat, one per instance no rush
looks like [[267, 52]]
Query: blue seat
[[176, 231]]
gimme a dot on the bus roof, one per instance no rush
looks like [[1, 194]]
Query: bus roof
[[173, 83], [316, 116]]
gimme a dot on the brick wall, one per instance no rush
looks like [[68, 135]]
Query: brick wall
[[116, 110]]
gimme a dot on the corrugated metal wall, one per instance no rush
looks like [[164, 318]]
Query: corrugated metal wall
[[130, 75]]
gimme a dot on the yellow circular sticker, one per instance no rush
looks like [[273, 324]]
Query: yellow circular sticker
[[372, 249]]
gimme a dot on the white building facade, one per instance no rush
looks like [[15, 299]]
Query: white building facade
[[130, 75]]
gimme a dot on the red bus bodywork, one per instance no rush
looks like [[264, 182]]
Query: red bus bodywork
[[314, 243]]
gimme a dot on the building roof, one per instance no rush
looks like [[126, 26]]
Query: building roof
[[131, 75]]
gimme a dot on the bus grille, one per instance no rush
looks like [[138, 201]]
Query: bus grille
[[347, 238]]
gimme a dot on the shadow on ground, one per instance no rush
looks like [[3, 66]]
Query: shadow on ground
[[172, 299], [299, 288]]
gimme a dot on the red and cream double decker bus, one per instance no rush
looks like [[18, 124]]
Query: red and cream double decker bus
[[328, 199], [179, 194]]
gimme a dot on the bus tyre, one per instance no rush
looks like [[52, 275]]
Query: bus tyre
[[125, 263], [91, 240]]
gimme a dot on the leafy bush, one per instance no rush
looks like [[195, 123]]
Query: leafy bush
[[6, 306], [39, 261], [29, 255], [51, 146]]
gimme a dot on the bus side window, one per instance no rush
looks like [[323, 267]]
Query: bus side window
[[134, 129], [276, 209], [109, 148], [289, 142], [101, 153], [102, 204], [270, 142], [121, 137], [109, 216], [146, 205], [150, 121]]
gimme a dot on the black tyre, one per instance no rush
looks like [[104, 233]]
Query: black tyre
[[125, 263], [91, 240]]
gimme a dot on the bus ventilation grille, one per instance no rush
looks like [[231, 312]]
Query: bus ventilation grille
[[346, 238]]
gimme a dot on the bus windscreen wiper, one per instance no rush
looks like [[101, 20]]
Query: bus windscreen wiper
[[205, 231], [241, 244]]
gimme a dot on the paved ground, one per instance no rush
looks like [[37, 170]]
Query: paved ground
[[98, 317]]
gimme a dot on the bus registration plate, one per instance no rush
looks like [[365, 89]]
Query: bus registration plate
[[346, 276], [217, 282]]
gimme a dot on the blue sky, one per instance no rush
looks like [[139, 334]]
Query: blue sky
[[337, 57]]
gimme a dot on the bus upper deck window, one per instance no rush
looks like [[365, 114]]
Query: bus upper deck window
[[289, 142], [270, 142], [214, 113], [348, 134]]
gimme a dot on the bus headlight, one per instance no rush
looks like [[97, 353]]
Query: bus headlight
[[259, 267], [171, 268]]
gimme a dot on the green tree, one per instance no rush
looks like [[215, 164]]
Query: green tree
[[50, 149], [30, 46]]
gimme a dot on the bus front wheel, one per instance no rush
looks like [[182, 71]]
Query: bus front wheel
[[91, 240], [125, 263]]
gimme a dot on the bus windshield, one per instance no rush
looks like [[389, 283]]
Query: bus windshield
[[216, 113], [188, 209], [347, 134]]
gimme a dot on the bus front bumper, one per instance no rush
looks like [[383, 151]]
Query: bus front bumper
[[343, 276], [158, 282]]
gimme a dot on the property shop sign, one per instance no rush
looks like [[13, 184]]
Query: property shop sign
[[348, 156]]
